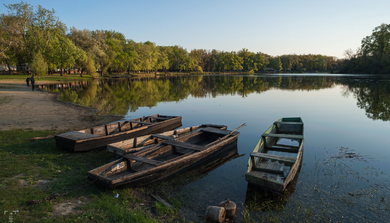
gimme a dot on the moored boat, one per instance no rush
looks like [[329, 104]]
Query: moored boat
[[277, 155], [164, 159], [100, 136], [143, 142]]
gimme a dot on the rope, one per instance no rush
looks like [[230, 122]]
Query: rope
[[55, 196]]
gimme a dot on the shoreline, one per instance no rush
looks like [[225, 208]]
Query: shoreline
[[23, 108]]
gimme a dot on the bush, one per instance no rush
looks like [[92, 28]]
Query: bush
[[38, 65]]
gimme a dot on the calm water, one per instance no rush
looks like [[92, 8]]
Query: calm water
[[344, 175]]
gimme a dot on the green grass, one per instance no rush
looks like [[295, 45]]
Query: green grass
[[24, 165]]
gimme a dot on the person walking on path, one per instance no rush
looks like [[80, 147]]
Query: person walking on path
[[28, 81], [32, 82]]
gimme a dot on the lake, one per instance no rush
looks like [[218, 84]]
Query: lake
[[345, 169]]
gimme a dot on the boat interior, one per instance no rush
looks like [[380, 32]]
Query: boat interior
[[162, 153], [277, 150], [129, 145], [124, 126]]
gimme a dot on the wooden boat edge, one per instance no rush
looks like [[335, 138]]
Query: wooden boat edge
[[293, 170], [94, 174]]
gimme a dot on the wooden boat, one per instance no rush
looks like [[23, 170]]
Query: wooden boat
[[139, 143], [164, 159], [261, 200], [100, 136], [277, 156]]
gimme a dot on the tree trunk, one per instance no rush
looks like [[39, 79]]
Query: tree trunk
[[9, 69], [61, 71]]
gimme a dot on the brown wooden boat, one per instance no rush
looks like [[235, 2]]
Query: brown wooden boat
[[164, 159], [277, 155], [100, 136], [138, 143]]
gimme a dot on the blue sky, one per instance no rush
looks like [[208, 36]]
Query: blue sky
[[273, 27]]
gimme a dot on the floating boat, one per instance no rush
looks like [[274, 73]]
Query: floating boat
[[256, 196], [164, 159], [277, 156], [100, 136], [143, 142]]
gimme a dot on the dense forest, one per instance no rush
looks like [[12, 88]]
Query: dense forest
[[373, 56], [34, 35]]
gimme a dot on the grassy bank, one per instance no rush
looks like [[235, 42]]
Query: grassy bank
[[34, 170]]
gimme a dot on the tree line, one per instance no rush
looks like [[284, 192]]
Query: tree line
[[37, 37], [373, 56]]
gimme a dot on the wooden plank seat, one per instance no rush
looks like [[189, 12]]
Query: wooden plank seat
[[145, 123], [270, 167], [289, 123], [162, 137], [215, 130], [287, 136], [283, 159], [183, 145], [286, 146], [142, 159], [282, 149], [159, 118]]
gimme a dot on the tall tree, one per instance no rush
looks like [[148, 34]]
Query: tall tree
[[178, 56], [34, 30], [64, 53]]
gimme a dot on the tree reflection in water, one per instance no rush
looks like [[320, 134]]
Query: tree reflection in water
[[117, 97]]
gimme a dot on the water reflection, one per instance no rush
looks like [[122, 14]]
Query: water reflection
[[118, 97]]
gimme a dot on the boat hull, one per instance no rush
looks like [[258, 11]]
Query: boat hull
[[138, 179], [77, 141], [266, 167]]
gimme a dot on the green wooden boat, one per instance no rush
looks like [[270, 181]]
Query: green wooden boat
[[277, 156]]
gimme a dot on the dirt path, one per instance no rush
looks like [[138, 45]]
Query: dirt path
[[22, 108]]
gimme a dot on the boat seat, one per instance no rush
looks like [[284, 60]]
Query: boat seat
[[289, 123], [283, 159], [282, 149], [145, 123], [270, 167], [287, 136], [143, 159], [159, 118], [215, 130], [286, 146], [183, 145], [162, 137]]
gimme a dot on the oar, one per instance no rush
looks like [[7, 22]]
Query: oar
[[226, 136]]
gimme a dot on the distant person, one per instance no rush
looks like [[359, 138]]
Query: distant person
[[32, 82], [28, 81]]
